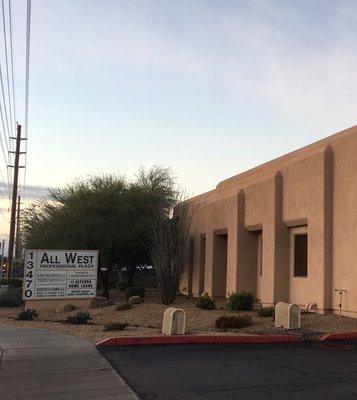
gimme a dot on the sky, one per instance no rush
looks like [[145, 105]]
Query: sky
[[209, 88]]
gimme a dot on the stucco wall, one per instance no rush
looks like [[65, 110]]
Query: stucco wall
[[344, 274], [313, 189]]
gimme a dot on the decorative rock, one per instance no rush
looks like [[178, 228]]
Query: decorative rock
[[174, 322], [287, 316], [100, 302]]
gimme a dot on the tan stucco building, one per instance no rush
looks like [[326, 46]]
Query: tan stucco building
[[286, 230]]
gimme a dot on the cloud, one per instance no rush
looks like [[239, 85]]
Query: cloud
[[298, 57], [32, 192], [305, 69], [292, 63]]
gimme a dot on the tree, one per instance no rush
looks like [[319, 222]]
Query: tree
[[167, 244], [106, 212]]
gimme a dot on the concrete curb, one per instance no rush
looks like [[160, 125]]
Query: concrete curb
[[191, 339], [338, 336]]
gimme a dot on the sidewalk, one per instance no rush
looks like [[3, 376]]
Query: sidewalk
[[38, 364]]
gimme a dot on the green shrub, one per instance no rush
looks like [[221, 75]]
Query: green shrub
[[121, 285], [69, 307], [135, 291], [206, 302], [242, 301], [266, 312], [12, 282], [27, 315], [115, 326], [232, 322], [80, 318], [135, 300], [11, 297], [123, 306]]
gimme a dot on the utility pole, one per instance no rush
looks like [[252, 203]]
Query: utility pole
[[18, 239], [14, 198]]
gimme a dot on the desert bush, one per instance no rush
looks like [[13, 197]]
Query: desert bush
[[135, 291], [241, 301], [11, 297], [12, 282], [206, 302], [100, 302], [27, 315], [80, 318], [69, 307], [123, 306], [226, 322], [266, 312], [115, 326], [135, 300], [121, 285]]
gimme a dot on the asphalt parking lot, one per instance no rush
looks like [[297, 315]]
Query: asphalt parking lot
[[275, 371]]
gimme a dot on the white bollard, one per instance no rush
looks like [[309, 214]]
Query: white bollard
[[174, 321], [287, 316]]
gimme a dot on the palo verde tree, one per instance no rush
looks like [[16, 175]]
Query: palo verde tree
[[107, 213]]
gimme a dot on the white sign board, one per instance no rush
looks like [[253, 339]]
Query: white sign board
[[60, 274]]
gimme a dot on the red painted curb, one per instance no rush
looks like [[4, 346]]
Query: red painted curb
[[339, 336], [257, 339], [189, 339]]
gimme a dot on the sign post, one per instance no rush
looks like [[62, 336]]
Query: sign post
[[59, 276]]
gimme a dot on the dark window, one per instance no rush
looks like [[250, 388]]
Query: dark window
[[300, 256]]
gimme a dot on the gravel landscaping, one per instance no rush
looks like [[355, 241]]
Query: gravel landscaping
[[146, 319]]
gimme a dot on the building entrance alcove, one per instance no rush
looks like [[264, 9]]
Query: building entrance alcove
[[191, 254], [258, 236], [219, 276], [201, 285]]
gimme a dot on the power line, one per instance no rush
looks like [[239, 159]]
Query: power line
[[12, 62], [27, 84], [6, 159], [8, 103], [12, 122], [4, 154], [12, 77], [11, 125], [7, 66], [28, 41], [5, 109]]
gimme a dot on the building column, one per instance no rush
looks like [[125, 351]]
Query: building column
[[328, 226], [281, 244], [199, 265]]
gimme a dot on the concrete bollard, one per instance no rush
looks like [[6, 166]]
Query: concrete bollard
[[287, 316], [174, 321]]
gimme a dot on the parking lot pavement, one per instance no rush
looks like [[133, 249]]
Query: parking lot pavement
[[293, 371], [42, 365]]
